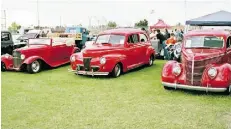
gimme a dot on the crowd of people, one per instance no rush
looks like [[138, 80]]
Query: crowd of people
[[165, 38]]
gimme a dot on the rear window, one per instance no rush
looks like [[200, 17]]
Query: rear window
[[204, 41]]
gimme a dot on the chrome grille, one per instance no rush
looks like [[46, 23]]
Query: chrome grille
[[16, 59], [194, 72], [87, 63]]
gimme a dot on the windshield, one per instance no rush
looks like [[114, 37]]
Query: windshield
[[40, 41], [204, 41], [28, 36], [112, 39]]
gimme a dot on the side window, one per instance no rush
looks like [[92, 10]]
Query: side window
[[229, 43], [5, 36], [143, 38], [133, 38]]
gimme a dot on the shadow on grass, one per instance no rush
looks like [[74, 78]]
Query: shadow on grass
[[199, 93], [123, 74]]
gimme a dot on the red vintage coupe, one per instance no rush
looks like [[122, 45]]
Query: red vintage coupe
[[38, 53], [206, 63], [114, 51]]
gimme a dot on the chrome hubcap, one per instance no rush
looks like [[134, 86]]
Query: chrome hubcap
[[117, 70], [150, 61], [35, 66]]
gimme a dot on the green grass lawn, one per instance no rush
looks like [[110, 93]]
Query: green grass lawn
[[56, 98]]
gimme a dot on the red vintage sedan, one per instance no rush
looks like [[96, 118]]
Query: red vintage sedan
[[206, 63], [114, 51], [38, 53]]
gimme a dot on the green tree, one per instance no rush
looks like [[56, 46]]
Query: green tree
[[142, 23], [14, 27], [111, 24]]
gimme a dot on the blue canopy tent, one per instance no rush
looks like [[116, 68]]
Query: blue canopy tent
[[221, 18]]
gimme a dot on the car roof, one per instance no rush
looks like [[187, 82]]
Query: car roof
[[123, 31], [208, 32], [5, 31]]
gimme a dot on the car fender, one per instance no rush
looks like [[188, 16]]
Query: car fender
[[75, 50], [113, 59], [7, 60], [30, 59], [222, 79], [150, 51], [167, 75]]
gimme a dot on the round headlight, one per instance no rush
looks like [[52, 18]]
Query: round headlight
[[22, 56], [102, 60], [176, 70], [212, 72], [72, 58]]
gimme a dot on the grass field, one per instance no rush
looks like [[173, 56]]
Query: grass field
[[58, 99]]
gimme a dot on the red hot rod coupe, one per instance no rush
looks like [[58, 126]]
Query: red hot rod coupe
[[206, 63], [39, 52], [114, 51]]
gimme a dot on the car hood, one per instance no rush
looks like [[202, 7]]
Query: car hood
[[202, 54], [101, 49], [31, 47]]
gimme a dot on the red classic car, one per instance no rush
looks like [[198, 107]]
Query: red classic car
[[38, 53], [206, 63], [114, 51]]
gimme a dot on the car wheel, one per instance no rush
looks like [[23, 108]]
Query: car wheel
[[117, 70], [3, 67], [34, 67], [150, 61]]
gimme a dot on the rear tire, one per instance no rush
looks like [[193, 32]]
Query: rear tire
[[116, 72], [34, 67], [3, 67]]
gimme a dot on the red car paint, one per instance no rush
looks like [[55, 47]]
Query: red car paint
[[52, 54], [129, 55], [195, 65]]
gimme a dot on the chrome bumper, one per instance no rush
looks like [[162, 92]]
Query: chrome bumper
[[91, 73], [88, 72], [198, 88]]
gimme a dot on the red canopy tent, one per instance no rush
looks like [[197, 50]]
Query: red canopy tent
[[160, 25]]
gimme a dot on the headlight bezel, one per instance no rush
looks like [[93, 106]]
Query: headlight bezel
[[22, 56], [102, 60], [176, 70], [212, 72], [72, 58]]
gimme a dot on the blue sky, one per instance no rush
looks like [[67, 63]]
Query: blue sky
[[126, 12]]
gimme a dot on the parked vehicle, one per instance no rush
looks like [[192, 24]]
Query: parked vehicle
[[38, 53], [114, 51], [9, 42], [176, 55], [206, 63], [79, 33]]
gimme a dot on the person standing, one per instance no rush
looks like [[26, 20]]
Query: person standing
[[167, 35], [162, 39]]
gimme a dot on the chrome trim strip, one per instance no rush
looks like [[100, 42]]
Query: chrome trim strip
[[198, 88], [192, 70], [92, 73]]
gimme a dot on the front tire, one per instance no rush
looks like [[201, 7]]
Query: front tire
[[150, 61], [34, 67], [3, 67], [228, 91], [116, 72]]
